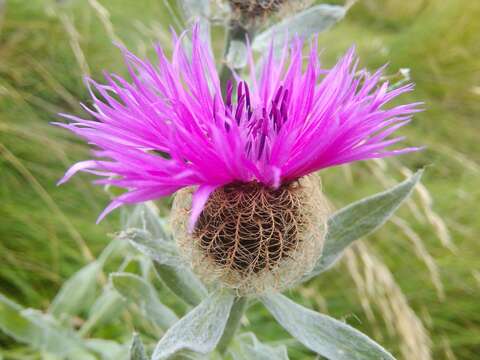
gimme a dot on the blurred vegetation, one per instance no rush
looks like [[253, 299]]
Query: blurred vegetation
[[48, 232]]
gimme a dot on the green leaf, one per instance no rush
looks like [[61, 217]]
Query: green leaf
[[322, 334], [107, 307], [140, 292], [158, 249], [182, 282], [39, 331], [137, 351], [107, 349], [360, 219], [198, 331], [195, 8], [249, 347], [237, 55], [145, 216], [168, 265], [77, 293], [304, 24]]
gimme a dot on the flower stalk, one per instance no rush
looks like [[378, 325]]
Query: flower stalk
[[236, 32], [233, 323]]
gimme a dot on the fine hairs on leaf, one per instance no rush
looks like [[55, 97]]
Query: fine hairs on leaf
[[137, 351], [360, 219], [322, 334], [198, 331], [107, 349], [39, 331], [76, 294], [304, 24], [140, 292], [248, 347], [168, 265]]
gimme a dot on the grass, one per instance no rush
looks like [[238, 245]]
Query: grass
[[405, 286]]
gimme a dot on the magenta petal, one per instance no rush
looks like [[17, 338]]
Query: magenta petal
[[199, 199], [82, 165], [168, 127]]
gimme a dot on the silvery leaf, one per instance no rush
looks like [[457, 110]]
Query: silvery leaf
[[198, 331], [304, 24], [107, 306], [182, 282], [137, 351], [40, 331], [322, 334], [158, 249], [195, 8], [198, 10], [237, 54], [78, 292], [145, 216], [138, 291], [107, 349], [168, 265], [248, 347], [360, 219]]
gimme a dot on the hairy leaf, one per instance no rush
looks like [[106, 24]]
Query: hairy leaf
[[200, 330], [138, 291], [237, 55], [249, 347], [168, 265], [107, 349], [360, 219], [39, 331], [145, 216], [322, 334], [304, 24], [78, 292], [137, 351], [107, 306]]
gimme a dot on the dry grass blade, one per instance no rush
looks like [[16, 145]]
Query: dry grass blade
[[376, 286], [435, 220], [423, 254], [17, 164], [104, 17], [74, 42]]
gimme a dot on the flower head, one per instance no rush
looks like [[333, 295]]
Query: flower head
[[242, 161]]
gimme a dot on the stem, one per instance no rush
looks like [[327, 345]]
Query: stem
[[233, 323], [236, 32]]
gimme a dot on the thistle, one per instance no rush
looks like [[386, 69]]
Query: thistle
[[247, 212]]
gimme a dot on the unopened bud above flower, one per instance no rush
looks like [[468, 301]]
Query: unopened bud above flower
[[248, 11]]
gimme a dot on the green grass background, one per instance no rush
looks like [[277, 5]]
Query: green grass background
[[48, 232]]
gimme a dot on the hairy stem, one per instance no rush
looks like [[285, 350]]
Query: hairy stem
[[233, 323], [236, 32]]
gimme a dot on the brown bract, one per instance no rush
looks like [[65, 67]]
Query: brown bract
[[253, 238], [256, 8]]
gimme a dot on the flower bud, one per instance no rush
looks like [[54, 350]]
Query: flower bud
[[253, 238], [248, 11]]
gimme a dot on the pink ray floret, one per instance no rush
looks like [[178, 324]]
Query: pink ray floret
[[170, 127]]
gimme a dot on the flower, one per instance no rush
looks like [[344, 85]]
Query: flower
[[170, 128], [247, 211]]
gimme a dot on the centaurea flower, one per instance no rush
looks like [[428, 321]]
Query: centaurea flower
[[244, 159]]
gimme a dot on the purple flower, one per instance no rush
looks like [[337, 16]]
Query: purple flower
[[170, 127]]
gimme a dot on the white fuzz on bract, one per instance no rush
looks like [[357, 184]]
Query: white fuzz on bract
[[253, 239]]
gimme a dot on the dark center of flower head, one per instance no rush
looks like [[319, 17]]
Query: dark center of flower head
[[248, 228]]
